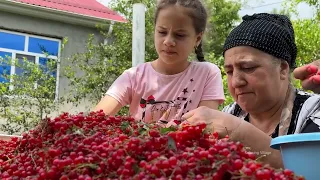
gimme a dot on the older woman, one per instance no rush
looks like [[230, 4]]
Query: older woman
[[259, 57]]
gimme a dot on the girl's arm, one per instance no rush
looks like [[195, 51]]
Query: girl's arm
[[213, 104], [213, 92], [118, 94], [109, 105]]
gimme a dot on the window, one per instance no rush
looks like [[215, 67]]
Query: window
[[37, 45], [20, 58], [35, 49]]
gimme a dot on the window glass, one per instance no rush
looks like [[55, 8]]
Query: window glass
[[37, 45], [12, 41], [20, 57]]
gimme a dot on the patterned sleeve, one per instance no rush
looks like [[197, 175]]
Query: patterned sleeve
[[309, 117], [229, 108], [235, 110]]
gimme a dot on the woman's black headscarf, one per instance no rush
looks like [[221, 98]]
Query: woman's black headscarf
[[270, 33]]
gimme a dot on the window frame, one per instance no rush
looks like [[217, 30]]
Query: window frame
[[36, 55]]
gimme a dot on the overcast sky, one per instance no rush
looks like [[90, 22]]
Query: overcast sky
[[258, 6]]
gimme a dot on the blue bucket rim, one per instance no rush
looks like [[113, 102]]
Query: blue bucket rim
[[294, 138]]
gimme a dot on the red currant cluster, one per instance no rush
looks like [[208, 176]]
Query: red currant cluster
[[96, 146]]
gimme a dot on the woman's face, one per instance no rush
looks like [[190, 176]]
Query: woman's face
[[256, 80]]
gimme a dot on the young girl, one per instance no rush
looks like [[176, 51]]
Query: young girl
[[169, 86]]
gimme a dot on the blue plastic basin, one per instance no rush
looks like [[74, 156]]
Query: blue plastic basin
[[300, 153]]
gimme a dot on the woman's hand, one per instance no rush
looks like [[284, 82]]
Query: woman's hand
[[217, 121], [309, 76]]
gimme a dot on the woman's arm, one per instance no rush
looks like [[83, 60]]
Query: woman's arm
[[258, 143], [238, 130]]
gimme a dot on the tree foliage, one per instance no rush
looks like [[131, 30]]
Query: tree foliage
[[315, 4], [223, 15], [28, 97]]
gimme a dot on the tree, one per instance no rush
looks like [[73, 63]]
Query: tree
[[281, 11], [307, 34], [27, 97], [223, 14], [313, 3]]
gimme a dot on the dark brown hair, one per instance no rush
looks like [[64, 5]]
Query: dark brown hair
[[197, 12]]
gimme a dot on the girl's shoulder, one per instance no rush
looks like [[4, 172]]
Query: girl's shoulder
[[139, 69], [205, 66]]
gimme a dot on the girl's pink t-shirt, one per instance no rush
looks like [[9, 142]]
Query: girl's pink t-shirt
[[153, 96]]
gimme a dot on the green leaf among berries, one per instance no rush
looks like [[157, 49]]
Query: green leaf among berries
[[168, 129]]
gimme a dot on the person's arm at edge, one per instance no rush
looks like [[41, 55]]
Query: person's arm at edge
[[309, 75]]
